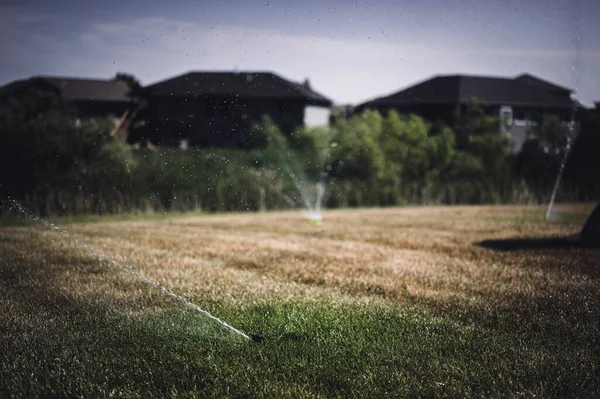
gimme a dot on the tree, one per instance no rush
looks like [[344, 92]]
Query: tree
[[49, 153], [135, 87], [313, 146], [538, 162], [416, 153], [482, 163], [267, 134], [137, 93], [35, 128], [356, 152]]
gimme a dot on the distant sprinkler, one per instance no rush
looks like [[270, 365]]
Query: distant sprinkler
[[316, 219]]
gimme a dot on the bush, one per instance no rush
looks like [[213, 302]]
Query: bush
[[56, 163], [59, 166]]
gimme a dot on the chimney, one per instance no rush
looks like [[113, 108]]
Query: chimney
[[307, 83]]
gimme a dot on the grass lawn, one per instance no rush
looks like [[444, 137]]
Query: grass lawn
[[402, 302]]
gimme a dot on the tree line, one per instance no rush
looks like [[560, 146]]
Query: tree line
[[55, 166]]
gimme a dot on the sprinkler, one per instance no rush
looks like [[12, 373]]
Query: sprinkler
[[258, 338], [315, 218]]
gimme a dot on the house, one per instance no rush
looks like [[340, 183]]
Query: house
[[91, 98], [220, 108], [519, 102]]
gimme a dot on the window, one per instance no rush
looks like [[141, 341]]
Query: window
[[506, 118]]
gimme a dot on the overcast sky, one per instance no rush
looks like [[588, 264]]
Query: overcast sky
[[351, 51]]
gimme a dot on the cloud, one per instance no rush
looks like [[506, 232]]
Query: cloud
[[347, 69]]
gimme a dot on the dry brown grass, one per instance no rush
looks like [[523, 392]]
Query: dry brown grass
[[424, 257]]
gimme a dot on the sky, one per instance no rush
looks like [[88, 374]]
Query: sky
[[351, 51]]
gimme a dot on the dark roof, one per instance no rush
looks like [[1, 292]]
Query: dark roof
[[535, 81], [524, 90], [75, 89], [242, 84]]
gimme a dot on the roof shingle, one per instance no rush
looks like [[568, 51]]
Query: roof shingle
[[77, 89], [242, 84]]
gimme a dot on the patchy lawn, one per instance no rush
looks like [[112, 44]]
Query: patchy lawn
[[441, 301]]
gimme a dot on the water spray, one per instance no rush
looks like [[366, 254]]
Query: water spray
[[318, 218], [304, 204], [103, 255], [575, 69], [560, 170]]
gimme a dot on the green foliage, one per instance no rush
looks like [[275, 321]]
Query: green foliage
[[443, 149], [412, 152], [407, 159], [60, 166], [540, 158], [50, 152], [212, 180], [313, 146], [268, 135], [539, 161], [543, 151], [395, 158], [356, 153], [474, 121], [482, 164], [371, 159]]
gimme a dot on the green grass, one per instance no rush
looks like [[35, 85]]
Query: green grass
[[308, 349], [127, 340]]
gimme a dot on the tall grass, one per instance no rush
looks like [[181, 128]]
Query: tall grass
[[222, 180]]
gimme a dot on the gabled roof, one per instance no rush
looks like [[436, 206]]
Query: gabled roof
[[74, 89], [242, 84], [524, 90]]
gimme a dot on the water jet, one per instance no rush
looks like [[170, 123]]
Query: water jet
[[105, 256]]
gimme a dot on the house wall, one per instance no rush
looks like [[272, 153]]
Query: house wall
[[522, 119], [518, 133], [217, 121], [85, 109], [316, 116]]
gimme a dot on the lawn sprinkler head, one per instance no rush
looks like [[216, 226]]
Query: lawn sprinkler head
[[258, 338], [316, 219]]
